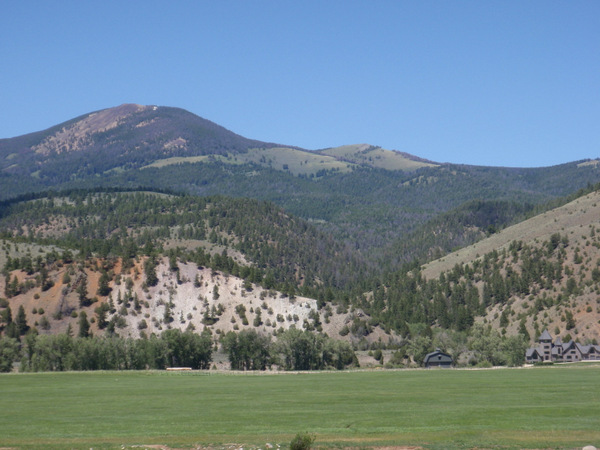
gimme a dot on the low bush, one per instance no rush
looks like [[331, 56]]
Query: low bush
[[302, 441]]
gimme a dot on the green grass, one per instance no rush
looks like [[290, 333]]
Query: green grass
[[553, 407], [176, 160], [376, 157], [286, 159]]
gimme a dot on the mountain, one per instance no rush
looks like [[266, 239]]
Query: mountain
[[370, 155], [139, 220], [125, 137], [391, 206], [136, 137]]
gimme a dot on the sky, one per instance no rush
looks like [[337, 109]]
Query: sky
[[495, 83]]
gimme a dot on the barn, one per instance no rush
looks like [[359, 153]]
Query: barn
[[437, 359]]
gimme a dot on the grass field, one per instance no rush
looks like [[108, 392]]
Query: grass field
[[552, 407]]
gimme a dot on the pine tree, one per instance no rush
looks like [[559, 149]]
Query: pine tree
[[82, 291], [6, 316], [84, 325], [103, 287], [150, 271], [21, 321]]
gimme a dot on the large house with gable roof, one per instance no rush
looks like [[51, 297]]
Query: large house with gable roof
[[547, 350]]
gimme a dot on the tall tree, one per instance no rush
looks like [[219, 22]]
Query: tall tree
[[82, 292], [21, 321], [84, 325], [9, 353]]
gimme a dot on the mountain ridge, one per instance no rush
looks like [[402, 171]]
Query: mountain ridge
[[370, 197]]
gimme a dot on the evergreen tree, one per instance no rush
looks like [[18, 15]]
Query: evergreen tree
[[101, 312], [82, 292], [150, 271], [103, 287], [21, 321], [6, 316], [84, 325]]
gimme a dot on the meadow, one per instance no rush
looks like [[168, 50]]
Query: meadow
[[545, 407]]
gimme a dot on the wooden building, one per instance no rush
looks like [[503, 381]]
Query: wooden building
[[437, 359]]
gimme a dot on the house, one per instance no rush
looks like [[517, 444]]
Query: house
[[437, 359], [532, 355], [570, 352], [589, 352], [549, 350]]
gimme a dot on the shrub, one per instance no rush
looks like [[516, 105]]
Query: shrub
[[302, 441], [378, 355], [44, 323]]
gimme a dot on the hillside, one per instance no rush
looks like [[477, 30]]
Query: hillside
[[543, 273], [364, 154], [138, 264], [184, 297], [278, 247], [575, 219]]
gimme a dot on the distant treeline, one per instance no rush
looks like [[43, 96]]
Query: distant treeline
[[247, 350]]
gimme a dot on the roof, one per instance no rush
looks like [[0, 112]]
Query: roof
[[435, 354], [585, 349], [569, 345], [530, 351], [545, 336]]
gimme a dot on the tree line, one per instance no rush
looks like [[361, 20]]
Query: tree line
[[62, 352], [246, 350]]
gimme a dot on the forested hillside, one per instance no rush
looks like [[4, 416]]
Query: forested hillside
[[278, 248], [543, 273], [132, 265]]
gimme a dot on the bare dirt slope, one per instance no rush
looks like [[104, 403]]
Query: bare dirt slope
[[192, 298]]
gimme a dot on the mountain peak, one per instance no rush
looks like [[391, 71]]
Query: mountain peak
[[76, 136]]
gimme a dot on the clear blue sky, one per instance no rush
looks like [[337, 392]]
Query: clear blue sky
[[503, 83]]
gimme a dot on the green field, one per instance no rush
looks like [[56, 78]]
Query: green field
[[552, 407]]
